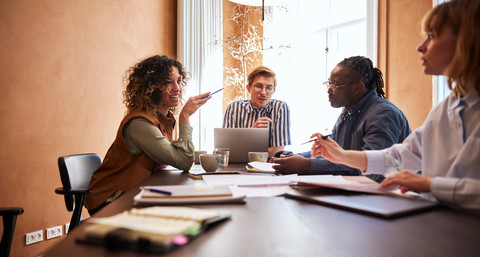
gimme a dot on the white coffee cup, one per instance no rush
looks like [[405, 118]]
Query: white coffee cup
[[210, 162], [257, 156], [197, 154]]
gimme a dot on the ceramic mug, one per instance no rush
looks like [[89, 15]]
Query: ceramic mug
[[210, 162], [257, 156], [197, 156]]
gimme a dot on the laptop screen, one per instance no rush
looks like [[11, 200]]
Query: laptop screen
[[241, 141]]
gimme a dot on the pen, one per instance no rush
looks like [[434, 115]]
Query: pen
[[158, 191], [212, 93], [313, 140]]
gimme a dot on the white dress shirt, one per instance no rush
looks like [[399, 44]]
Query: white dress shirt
[[446, 147]]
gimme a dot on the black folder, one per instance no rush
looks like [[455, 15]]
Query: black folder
[[384, 206]]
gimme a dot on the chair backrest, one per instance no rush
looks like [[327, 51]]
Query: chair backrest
[[9, 215], [76, 171]]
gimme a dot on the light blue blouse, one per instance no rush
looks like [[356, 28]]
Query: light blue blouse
[[446, 147]]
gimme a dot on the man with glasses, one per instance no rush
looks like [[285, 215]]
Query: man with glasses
[[261, 111], [368, 120]]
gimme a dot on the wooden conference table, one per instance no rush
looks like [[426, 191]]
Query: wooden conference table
[[278, 226]]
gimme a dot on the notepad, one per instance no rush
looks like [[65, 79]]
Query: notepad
[[187, 194], [261, 167], [154, 229], [199, 174], [186, 191]]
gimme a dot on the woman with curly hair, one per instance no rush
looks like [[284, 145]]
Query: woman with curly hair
[[145, 138]]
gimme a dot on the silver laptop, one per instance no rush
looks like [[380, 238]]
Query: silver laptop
[[241, 141]]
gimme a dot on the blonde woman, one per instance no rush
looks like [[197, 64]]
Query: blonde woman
[[446, 149]]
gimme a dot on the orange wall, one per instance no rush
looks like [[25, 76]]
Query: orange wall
[[399, 34], [61, 68]]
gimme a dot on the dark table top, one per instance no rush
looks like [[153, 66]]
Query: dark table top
[[278, 226]]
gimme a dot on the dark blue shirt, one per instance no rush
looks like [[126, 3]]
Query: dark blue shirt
[[374, 123]]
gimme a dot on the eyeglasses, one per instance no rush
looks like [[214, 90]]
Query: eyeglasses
[[332, 85], [268, 89]]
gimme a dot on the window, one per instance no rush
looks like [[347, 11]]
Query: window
[[199, 28], [439, 83], [304, 40]]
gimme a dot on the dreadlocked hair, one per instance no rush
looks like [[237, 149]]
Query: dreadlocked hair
[[370, 77]]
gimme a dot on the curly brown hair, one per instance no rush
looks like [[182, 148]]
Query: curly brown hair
[[146, 82]]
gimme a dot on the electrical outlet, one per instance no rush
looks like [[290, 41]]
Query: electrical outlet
[[54, 232], [67, 227], [34, 237]]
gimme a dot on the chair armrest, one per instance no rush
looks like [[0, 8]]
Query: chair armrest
[[62, 191], [11, 211]]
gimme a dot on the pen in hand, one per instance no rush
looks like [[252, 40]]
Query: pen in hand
[[315, 139], [212, 93]]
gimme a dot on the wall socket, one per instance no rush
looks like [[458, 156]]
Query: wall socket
[[34, 237], [54, 232]]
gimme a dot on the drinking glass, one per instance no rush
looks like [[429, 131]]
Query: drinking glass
[[225, 155]]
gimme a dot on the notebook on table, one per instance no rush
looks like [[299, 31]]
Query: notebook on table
[[153, 229], [384, 206], [186, 194], [241, 141]]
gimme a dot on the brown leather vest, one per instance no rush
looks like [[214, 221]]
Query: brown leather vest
[[120, 170]]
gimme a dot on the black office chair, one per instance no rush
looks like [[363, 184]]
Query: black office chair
[[76, 171], [9, 215]]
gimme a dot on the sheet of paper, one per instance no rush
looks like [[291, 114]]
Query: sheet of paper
[[267, 191], [259, 185], [323, 179], [235, 180]]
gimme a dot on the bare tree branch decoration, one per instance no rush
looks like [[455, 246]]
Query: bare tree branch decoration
[[244, 48]]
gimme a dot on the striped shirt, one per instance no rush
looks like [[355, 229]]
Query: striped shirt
[[242, 114]]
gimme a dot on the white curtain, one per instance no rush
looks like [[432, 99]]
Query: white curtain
[[199, 46]]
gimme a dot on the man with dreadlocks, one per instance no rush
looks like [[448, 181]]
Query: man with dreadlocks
[[368, 120]]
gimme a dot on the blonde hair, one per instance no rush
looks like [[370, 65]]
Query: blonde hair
[[463, 17], [262, 71]]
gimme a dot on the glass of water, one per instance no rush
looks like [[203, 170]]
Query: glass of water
[[225, 155]]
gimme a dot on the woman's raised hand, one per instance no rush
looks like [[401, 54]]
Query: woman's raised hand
[[192, 105]]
